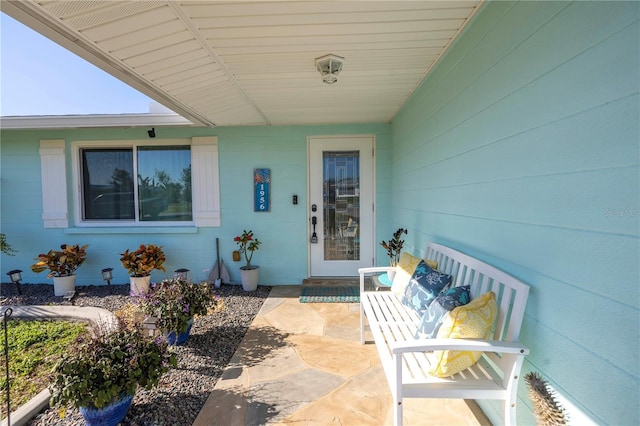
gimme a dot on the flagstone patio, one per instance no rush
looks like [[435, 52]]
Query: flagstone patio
[[302, 363]]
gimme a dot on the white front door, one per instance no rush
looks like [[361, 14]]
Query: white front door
[[341, 197]]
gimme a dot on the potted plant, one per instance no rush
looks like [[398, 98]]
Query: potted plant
[[62, 265], [140, 263], [173, 304], [102, 370], [247, 244], [394, 249]]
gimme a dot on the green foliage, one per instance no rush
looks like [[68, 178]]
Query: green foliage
[[394, 246], [34, 348], [174, 302], [145, 259], [247, 245], [5, 247], [99, 368], [61, 263]]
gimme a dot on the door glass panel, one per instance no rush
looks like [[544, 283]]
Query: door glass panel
[[341, 204]]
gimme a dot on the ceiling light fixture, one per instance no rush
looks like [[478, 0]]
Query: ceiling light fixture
[[329, 67]]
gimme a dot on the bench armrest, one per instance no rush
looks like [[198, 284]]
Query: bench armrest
[[374, 269], [480, 345]]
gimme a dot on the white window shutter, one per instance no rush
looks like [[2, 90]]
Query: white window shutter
[[54, 184], [205, 181]]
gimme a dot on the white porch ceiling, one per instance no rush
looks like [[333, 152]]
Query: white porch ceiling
[[253, 63]]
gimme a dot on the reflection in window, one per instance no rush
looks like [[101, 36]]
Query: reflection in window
[[164, 183], [163, 190], [341, 206], [107, 184]]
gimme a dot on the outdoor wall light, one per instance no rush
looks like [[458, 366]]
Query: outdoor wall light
[[181, 273], [152, 132], [329, 66], [16, 277], [107, 276]]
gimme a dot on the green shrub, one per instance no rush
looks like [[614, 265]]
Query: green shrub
[[100, 368]]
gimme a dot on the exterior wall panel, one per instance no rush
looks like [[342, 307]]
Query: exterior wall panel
[[283, 230], [522, 148]]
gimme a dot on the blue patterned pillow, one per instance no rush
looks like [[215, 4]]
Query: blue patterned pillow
[[425, 284], [439, 307]]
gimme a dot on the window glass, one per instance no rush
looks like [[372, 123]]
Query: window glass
[[164, 183], [107, 184]]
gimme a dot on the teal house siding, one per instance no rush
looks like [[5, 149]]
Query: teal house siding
[[522, 148], [283, 230]]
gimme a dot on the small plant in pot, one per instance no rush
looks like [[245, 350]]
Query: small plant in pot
[[62, 265], [140, 263], [247, 245], [102, 370], [174, 303], [394, 249]]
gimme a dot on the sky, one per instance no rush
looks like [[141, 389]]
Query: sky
[[39, 77]]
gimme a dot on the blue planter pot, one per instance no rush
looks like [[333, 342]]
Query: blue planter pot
[[110, 415], [181, 338]]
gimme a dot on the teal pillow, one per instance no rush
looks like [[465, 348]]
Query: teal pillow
[[438, 309], [425, 284]]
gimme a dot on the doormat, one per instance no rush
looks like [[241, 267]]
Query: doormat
[[342, 294]]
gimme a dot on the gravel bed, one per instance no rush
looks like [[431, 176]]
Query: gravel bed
[[183, 391]]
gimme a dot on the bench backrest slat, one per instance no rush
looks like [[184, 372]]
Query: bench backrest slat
[[511, 293]]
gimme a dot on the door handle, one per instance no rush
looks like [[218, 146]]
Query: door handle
[[314, 236]]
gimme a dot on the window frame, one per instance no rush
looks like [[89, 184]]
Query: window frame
[[204, 174]]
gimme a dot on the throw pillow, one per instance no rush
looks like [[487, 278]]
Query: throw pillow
[[433, 264], [425, 284], [441, 305], [471, 321], [406, 265]]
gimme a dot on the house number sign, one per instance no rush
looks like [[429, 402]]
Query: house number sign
[[261, 189]]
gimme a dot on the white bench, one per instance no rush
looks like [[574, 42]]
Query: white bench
[[404, 358]]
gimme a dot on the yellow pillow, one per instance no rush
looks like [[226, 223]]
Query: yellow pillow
[[406, 265], [433, 264], [472, 321]]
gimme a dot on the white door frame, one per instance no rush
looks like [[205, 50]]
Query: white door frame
[[367, 229]]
